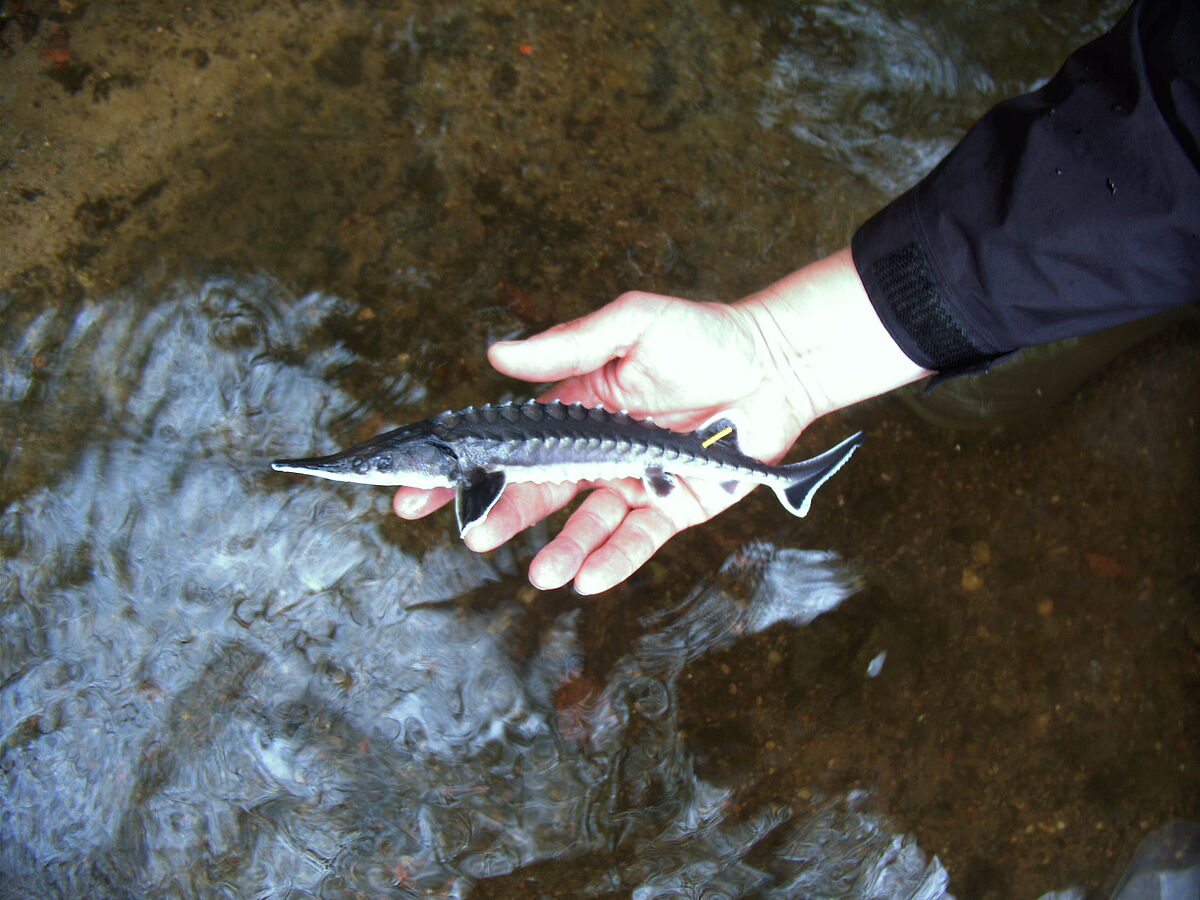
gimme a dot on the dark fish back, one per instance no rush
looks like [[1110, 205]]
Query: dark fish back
[[531, 420]]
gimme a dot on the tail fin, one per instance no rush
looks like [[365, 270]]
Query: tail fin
[[809, 475]]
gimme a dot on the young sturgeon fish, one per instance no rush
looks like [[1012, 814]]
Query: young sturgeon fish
[[479, 450]]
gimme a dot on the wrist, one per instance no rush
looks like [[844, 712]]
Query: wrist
[[818, 332]]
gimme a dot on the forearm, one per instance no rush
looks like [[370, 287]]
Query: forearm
[[819, 333]]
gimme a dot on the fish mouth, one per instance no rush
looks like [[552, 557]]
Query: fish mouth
[[337, 467], [341, 467], [289, 465]]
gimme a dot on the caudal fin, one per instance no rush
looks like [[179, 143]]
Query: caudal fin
[[809, 475]]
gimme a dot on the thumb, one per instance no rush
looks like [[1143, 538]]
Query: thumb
[[581, 345]]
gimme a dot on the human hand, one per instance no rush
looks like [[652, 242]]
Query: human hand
[[775, 360]]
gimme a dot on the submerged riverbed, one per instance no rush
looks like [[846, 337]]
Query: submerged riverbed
[[243, 231]]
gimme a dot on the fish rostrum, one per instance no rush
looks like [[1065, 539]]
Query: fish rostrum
[[479, 450]]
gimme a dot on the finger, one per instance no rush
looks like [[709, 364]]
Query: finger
[[588, 528], [412, 503], [636, 539], [520, 506], [580, 345]]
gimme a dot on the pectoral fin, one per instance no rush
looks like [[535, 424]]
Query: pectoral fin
[[477, 494]]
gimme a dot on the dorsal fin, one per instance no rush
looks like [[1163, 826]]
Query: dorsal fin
[[719, 430]]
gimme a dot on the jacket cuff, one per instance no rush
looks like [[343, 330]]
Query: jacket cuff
[[903, 285]]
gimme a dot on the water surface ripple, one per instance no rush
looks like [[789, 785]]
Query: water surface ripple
[[221, 682]]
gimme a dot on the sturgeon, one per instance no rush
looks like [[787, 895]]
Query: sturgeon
[[479, 450]]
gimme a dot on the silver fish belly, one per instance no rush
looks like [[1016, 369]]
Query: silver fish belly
[[479, 450]]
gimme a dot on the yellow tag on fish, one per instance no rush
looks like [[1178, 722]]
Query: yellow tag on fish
[[728, 429]]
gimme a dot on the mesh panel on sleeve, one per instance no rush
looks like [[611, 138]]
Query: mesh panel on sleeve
[[905, 277]]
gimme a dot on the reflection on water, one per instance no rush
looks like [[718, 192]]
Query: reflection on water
[[218, 681], [855, 97]]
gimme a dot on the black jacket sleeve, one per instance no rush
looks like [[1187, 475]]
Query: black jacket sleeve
[[1062, 211]]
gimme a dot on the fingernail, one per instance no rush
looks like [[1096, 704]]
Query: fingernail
[[589, 585], [409, 506], [481, 539], [546, 576]]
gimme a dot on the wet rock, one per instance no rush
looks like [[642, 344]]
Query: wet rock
[[64, 68], [78, 255], [403, 69], [57, 49], [403, 65], [103, 88], [71, 76], [505, 80], [26, 17], [425, 180], [662, 79], [198, 56], [149, 193], [100, 215], [1104, 566], [342, 64]]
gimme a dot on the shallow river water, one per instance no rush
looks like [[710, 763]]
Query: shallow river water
[[246, 231]]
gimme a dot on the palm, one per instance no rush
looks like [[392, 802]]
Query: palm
[[678, 363], [694, 362]]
